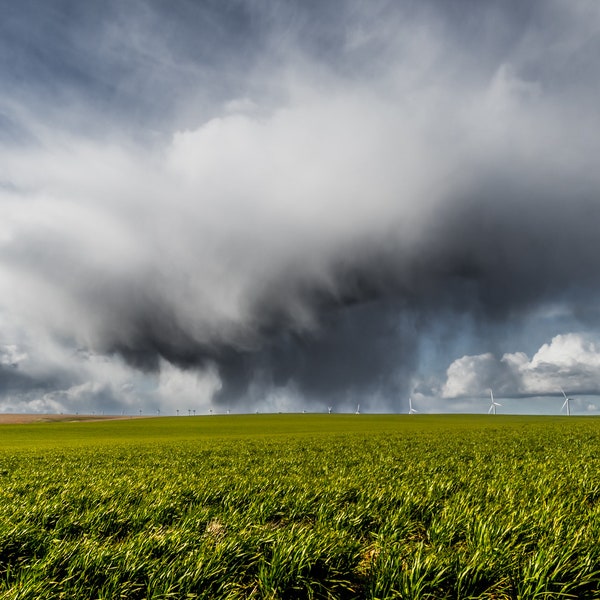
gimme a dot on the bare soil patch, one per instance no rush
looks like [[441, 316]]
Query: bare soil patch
[[23, 419]]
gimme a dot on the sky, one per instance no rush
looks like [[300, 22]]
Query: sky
[[283, 206]]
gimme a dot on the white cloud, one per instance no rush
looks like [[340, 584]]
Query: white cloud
[[466, 375], [50, 377], [569, 361], [183, 390], [11, 355]]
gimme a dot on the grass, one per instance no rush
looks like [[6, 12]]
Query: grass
[[301, 506]]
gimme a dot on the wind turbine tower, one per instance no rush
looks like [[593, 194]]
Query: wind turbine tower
[[566, 403], [411, 410], [357, 409], [493, 405]]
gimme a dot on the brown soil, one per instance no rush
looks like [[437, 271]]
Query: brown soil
[[16, 419]]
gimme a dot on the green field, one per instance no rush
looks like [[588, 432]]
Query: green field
[[301, 506]]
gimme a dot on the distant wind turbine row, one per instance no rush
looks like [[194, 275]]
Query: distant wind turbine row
[[411, 409]]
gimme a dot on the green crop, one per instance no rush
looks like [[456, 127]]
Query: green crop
[[301, 506]]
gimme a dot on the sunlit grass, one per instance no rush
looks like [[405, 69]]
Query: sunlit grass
[[301, 506]]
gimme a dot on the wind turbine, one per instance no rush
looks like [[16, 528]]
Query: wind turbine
[[566, 403], [329, 410], [493, 404], [411, 410], [357, 409]]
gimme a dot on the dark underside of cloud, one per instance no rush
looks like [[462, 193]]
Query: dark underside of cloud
[[490, 267]]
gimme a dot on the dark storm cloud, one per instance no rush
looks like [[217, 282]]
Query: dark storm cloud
[[355, 355], [319, 184], [12, 380]]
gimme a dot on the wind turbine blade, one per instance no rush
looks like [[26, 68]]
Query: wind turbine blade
[[491, 409], [497, 404], [564, 403], [563, 393]]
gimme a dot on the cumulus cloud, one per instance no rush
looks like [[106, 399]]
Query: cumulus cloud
[[570, 362]]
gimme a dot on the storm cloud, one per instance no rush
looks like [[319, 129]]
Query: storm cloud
[[274, 206]]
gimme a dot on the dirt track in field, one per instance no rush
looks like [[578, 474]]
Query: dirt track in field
[[22, 419]]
